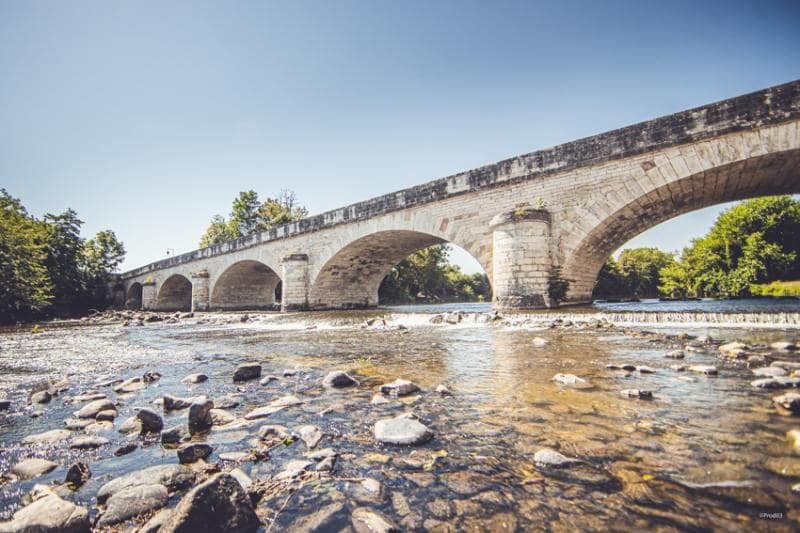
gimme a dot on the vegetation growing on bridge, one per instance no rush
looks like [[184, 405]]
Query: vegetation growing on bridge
[[46, 268]]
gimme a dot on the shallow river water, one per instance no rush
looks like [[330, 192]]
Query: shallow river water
[[708, 452]]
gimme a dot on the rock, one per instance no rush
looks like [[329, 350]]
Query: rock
[[226, 402], [77, 475], [678, 368], [637, 393], [646, 370], [552, 459], [273, 407], [675, 354], [787, 404], [270, 430], [125, 449], [703, 369], [33, 467], [627, 367], [151, 376], [175, 403], [366, 520], [89, 442], [539, 342], [289, 373], [150, 421], [91, 409], [48, 437], [437, 319], [332, 517], [193, 379], [292, 469], [768, 371], [172, 476], [793, 436], [234, 457], [399, 387], [402, 431], [319, 455], [734, 350], [268, 379], [49, 514], [130, 385], [338, 379], [786, 365], [191, 453], [784, 346], [99, 427], [133, 501], [175, 434], [106, 416], [155, 523], [311, 435], [200, 419], [246, 372], [220, 417], [779, 382], [219, 504], [130, 425], [41, 397], [443, 391], [5, 405], [379, 399], [452, 318], [570, 380]]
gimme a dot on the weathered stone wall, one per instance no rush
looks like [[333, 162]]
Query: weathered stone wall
[[598, 192]]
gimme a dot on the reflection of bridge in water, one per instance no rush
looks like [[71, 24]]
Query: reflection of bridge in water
[[569, 206]]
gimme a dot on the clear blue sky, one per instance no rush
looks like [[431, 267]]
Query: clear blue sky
[[149, 117]]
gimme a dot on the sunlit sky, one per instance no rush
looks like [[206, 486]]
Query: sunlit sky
[[149, 117]]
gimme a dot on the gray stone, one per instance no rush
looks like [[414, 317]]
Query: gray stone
[[443, 390], [133, 501], [41, 397], [246, 372], [227, 402], [91, 409], [130, 425], [48, 437], [89, 442], [338, 379], [220, 417], [48, 514], [155, 523], [401, 431], [191, 453], [399, 387], [552, 459], [106, 416], [788, 404], [33, 467], [219, 504], [193, 379], [5, 405], [175, 434], [708, 370], [200, 419], [268, 379], [130, 385], [780, 382], [637, 393], [175, 403], [172, 476], [125, 449], [675, 354], [311, 435], [769, 371], [784, 346]]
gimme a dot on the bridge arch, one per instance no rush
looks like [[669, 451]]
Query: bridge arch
[[610, 224], [175, 294], [246, 284], [351, 277], [133, 298]]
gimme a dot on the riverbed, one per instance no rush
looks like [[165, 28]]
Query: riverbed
[[707, 451]]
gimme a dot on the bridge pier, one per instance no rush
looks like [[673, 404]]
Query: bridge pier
[[148, 295], [200, 291], [295, 288], [521, 260]]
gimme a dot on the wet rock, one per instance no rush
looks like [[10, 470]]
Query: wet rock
[[234, 457], [130, 425], [5, 405], [784, 346], [679, 368], [220, 417], [366, 520], [332, 517], [91, 409], [41, 397], [289, 373], [130, 385], [150, 421], [675, 354], [320, 455], [646, 370], [271, 430], [101, 426], [219, 504], [133, 501], [402, 431], [48, 437], [780, 382], [440, 508], [570, 380], [399, 387], [273, 407], [125, 449], [708, 370], [175, 403], [172, 476], [292, 469], [33, 467], [268, 379], [787, 404], [243, 479], [89, 442], [49, 514], [786, 365], [369, 490], [193, 379], [768, 371], [191, 453], [175, 434], [310, 435], [151, 376], [437, 319], [200, 419], [246, 372], [734, 350], [443, 391], [637, 393], [78, 474], [106, 416], [226, 402], [552, 459], [338, 379]]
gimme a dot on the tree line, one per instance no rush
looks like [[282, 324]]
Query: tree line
[[47, 268], [751, 250]]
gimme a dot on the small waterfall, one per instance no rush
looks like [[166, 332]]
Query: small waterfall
[[689, 318]]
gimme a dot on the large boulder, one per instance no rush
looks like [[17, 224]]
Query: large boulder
[[219, 504], [48, 514], [33, 467], [174, 477], [246, 372], [150, 420], [133, 501]]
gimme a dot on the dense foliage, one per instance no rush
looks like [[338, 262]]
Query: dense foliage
[[634, 275], [47, 268], [250, 215], [428, 276]]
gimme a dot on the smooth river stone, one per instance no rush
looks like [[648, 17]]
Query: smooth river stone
[[769, 371], [708, 370], [402, 431], [91, 409], [48, 437], [399, 387], [570, 380], [551, 458], [172, 476], [88, 442], [49, 513], [33, 467], [780, 382], [133, 501]]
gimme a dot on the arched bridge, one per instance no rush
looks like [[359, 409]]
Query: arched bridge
[[570, 206]]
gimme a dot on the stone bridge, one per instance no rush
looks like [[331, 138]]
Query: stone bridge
[[570, 206]]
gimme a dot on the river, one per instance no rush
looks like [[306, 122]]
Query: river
[[706, 452]]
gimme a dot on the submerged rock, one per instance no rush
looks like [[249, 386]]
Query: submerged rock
[[570, 380], [88, 442], [219, 504], [133, 501], [769, 371], [675, 354], [48, 514], [552, 459], [175, 434], [246, 372], [443, 390], [399, 387], [784, 346], [337, 379], [311, 435], [175, 403], [402, 431], [273, 407]]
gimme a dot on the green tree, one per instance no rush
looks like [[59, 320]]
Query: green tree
[[64, 250], [640, 270], [100, 257]]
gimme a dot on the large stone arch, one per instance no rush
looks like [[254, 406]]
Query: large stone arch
[[246, 284], [133, 298], [175, 294], [612, 220], [350, 279]]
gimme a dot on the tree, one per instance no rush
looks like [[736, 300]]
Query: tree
[[640, 269], [100, 257], [64, 249]]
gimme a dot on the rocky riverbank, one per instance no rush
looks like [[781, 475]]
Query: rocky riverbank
[[307, 442]]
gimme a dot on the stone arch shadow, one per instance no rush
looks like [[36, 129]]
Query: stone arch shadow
[[133, 298], [174, 294], [246, 284]]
